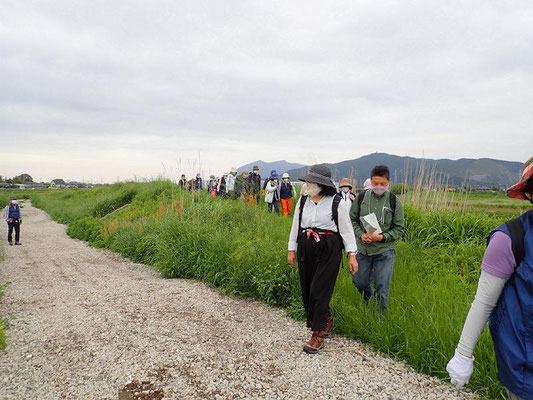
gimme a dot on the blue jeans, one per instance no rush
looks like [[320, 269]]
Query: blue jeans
[[378, 267]]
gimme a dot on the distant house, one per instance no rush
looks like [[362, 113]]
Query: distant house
[[58, 184]]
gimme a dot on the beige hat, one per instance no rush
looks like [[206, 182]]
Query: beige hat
[[233, 170], [345, 182]]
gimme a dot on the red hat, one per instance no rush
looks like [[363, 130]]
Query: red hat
[[517, 190]]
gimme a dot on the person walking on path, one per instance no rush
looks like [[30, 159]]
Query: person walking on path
[[345, 189], [273, 194], [377, 244], [504, 297], [13, 217], [286, 193], [254, 182], [321, 227]]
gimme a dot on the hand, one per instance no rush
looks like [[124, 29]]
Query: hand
[[291, 258], [375, 237], [354, 266], [352, 197], [365, 238], [460, 368]]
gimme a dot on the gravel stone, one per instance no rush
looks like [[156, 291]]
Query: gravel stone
[[91, 324]]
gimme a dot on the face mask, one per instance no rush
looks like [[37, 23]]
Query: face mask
[[379, 190], [256, 172], [14, 201], [285, 180], [313, 189], [345, 189]]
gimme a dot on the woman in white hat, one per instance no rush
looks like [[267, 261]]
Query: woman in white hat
[[320, 228], [286, 193]]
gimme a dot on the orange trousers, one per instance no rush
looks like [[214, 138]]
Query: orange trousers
[[286, 206]]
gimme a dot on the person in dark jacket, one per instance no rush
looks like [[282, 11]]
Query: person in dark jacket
[[197, 182], [254, 185], [504, 297], [286, 193], [183, 182], [13, 217]]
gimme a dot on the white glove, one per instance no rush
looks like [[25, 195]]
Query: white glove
[[460, 368]]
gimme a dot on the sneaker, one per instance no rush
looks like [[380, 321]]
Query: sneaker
[[329, 326], [18, 243], [315, 343]]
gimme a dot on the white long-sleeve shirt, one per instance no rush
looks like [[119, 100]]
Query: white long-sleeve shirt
[[320, 216]]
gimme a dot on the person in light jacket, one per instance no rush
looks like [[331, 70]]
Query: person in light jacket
[[321, 227], [273, 193]]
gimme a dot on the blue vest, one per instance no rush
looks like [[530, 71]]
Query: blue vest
[[14, 211], [511, 322]]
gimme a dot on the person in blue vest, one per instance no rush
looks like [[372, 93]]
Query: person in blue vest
[[505, 294], [13, 217]]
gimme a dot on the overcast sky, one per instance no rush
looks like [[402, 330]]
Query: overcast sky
[[95, 90]]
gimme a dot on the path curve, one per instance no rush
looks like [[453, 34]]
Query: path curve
[[89, 321]]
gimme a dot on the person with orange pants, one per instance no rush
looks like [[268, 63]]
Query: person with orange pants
[[287, 193]]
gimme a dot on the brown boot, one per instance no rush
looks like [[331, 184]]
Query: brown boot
[[315, 343], [329, 326]]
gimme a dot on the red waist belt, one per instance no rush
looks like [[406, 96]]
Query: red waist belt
[[316, 233]]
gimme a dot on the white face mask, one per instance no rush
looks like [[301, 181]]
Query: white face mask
[[14, 202], [313, 189], [285, 180], [345, 189]]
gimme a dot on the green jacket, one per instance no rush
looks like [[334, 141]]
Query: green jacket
[[392, 228]]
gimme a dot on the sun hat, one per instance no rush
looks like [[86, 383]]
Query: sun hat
[[233, 170], [345, 182], [13, 198], [274, 175], [319, 174], [285, 175], [517, 190]]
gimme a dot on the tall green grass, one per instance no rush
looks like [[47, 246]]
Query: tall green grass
[[242, 251]]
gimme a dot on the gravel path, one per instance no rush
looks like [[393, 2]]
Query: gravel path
[[92, 325]]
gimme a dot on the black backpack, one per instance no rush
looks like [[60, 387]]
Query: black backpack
[[334, 210], [516, 228], [361, 197]]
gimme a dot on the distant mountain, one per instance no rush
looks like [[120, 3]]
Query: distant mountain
[[265, 167], [475, 173]]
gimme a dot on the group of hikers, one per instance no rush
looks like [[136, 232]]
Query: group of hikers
[[367, 226], [329, 219], [250, 187]]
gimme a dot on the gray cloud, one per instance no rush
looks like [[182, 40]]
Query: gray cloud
[[134, 84]]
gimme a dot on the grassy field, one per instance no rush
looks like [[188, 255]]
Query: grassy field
[[242, 251]]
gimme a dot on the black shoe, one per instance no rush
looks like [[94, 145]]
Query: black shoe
[[18, 243], [11, 244]]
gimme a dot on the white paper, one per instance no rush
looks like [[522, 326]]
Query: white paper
[[371, 224]]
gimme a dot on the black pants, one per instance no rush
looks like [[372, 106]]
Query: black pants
[[318, 264], [15, 224], [274, 206]]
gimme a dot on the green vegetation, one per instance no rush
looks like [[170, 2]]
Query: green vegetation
[[242, 251]]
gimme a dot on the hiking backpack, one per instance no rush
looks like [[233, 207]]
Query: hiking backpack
[[334, 210]]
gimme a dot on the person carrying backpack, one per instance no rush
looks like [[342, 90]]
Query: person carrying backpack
[[286, 194], [377, 247], [504, 297], [345, 190], [320, 229], [272, 194], [13, 217]]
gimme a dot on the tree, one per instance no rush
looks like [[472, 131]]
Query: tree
[[24, 178]]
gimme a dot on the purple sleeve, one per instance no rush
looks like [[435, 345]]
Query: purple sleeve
[[498, 259]]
